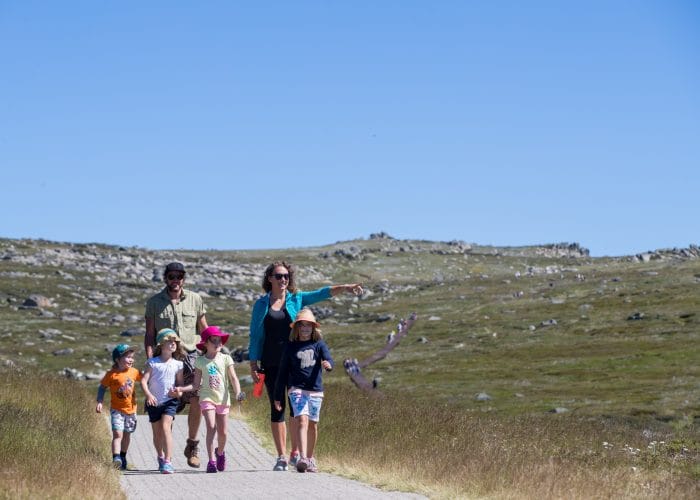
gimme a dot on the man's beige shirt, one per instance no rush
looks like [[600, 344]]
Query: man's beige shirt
[[181, 317]]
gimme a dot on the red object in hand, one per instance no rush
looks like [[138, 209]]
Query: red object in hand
[[258, 387]]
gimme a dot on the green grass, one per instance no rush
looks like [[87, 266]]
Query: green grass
[[478, 318]]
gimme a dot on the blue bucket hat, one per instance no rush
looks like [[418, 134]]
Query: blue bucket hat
[[120, 351], [165, 334]]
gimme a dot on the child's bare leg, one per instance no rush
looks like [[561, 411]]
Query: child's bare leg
[[126, 440], [302, 425], [157, 428], [221, 431], [312, 435], [294, 434], [166, 429], [209, 417], [116, 442]]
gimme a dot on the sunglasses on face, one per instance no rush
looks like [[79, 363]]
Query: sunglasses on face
[[214, 340], [175, 277], [280, 276]]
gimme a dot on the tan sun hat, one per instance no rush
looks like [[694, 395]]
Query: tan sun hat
[[305, 315]]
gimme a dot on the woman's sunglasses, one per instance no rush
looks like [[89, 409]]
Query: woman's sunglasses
[[279, 276]]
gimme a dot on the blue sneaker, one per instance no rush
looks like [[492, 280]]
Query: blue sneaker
[[161, 461], [281, 464], [117, 462], [167, 468]]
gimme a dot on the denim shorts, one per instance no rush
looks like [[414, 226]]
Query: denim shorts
[[167, 408], [122, 421], [303, 403]]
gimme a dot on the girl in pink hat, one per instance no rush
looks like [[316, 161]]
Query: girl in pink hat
[[215, 376]]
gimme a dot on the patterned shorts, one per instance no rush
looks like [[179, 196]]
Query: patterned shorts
[[122, 421], [188, 376], [303, 403]]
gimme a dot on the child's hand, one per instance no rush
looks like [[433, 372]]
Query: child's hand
[[151, 401], [98, 408], [278, 406], [326, 365], [241, 396], [174, 392]]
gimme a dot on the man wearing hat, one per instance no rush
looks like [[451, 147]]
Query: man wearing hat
[[182, 310]]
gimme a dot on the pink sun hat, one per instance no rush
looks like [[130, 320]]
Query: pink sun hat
[[212, 331]]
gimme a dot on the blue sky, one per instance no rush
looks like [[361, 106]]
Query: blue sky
[[250, 125]]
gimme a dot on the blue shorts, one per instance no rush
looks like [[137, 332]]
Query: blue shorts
[[167, 408], [121, 421], [304, 403]]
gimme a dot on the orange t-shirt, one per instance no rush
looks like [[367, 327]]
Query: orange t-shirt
[[122, 389]]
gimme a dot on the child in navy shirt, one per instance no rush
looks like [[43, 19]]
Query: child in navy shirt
[[303, 361]]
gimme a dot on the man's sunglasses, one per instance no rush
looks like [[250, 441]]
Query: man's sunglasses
[[279, 276], [174, 277]]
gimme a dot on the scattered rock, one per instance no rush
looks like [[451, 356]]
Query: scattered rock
[[35, 300], [134, 332], [482, 396], [64, 352]]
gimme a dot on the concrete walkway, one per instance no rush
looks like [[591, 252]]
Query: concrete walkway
[[248, 472]]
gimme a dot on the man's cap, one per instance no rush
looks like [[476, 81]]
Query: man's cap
[[120, 351], [174, 267], [166, 334]]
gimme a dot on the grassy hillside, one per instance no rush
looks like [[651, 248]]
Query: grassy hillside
[[544, 334], [482, 317]]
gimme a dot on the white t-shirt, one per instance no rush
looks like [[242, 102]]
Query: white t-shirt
[[162, 377]]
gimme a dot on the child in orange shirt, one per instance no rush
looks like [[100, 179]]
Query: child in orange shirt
[[121, 383]]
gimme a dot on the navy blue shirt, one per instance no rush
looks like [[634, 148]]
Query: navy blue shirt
[[301, 367]]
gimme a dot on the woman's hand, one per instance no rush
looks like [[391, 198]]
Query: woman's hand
[[278, 406], [254, 369], [151, 401], [354, 288]]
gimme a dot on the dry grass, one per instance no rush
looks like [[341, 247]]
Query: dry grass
[[53, 444], [398, 443]]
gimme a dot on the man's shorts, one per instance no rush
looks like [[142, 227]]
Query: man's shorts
[[220, 409], [188, 378], [306, 403], [122, 422], [155, 413]]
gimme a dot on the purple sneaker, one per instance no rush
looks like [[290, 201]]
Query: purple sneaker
[[311, 467], [220, 460], [211, 466]]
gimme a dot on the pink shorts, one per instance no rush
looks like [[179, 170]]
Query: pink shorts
[[208, 405]]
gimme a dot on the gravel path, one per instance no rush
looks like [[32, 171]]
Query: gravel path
[[248, 472]]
